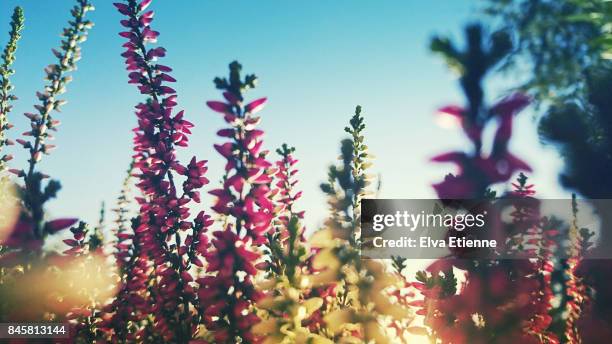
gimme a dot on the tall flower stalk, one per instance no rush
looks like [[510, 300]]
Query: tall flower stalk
[[166, 234], [42, 122], [86, 253], [361, 161], [21, 254], [6, 97], [477, 170], [288, 307], [577, 296], [246, 202], [7, 199], [122, 226], [500, 300], [359, 299], [124, 319], [286, 239]]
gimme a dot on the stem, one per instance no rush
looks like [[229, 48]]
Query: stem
[[55, 90], [8, 57]]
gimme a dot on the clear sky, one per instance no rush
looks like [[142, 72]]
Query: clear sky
[[316, 60]]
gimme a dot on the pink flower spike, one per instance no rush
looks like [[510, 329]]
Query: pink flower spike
[[256, 105]]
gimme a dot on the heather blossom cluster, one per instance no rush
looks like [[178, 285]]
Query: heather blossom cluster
[[165, 233], [291, 308], [285, 178], [245, 200]]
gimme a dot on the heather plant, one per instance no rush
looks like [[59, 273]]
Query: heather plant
[[285, 245], [91, 263], [34, 193], [356, 300], [484, 308], [289, 307], [123, 319], [579, 128], [6, 97], [246, 202], [169, 240], [7, 199], [22, 261], [576, 123], [121, 228], [113, 321], [575, 298]]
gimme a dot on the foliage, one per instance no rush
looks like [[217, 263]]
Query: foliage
[[8, 57], [552, 46], [598, 14], [360, 287]]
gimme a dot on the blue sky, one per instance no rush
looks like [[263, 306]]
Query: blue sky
[[316, 60]]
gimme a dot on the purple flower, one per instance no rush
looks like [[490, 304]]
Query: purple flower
[[164, 205], [246, 201]]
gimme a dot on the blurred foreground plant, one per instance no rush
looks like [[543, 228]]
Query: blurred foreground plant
[[500, 300], [22, 261], [357, 303]]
